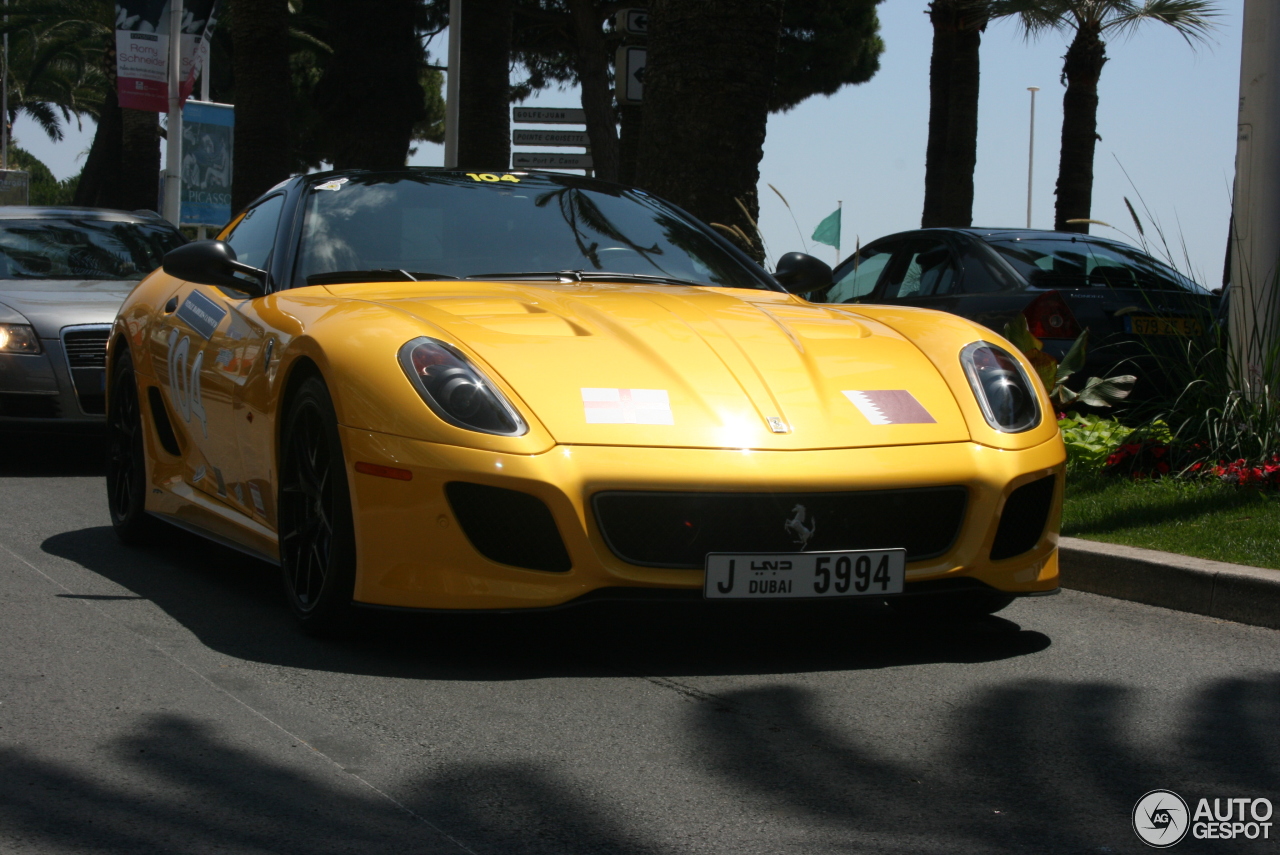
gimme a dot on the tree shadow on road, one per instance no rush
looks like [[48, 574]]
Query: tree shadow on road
[[1026, 766], [231, 603]]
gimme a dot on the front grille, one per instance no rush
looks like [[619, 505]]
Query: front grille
[[86, 348], [679, 529], [508, 526], [1026, 512], [86, 351]]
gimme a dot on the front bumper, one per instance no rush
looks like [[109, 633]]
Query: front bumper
[[43, 391], [412, 552]]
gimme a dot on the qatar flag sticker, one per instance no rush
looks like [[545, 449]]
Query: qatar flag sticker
[[627, 407], [890, 407]]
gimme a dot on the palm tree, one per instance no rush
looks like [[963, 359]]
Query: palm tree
[[263, 92], [56, 53], [1092, 21], [708, 84], [952, 148]]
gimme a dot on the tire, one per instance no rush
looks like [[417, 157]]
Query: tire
[[317, 537], [957, 606], [126, 458]]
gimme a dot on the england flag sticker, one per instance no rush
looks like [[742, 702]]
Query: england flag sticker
[[627, 407], [890, 407]]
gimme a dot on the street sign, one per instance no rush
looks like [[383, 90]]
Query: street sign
[[207, 134], [629, 79], [15, 187], [549, 116], [633, 22], [550, 138], [550, 160]]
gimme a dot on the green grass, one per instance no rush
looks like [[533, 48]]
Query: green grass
[[1200, 518]]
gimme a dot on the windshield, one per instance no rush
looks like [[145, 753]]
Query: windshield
[[82, 248], [460, 225], [1067, 263]]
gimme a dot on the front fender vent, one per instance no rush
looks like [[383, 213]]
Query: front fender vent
[[164, 427], [1026, 512], [508, 526]]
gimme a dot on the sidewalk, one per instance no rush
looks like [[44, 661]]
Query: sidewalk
[[1229, 591]]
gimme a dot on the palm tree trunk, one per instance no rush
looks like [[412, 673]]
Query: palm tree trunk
[[942, 16], [592, 64], [99, 177], [138, 181], [371, 96], [708, 81], [484, 118], [262, 149], [951, 152], [630, 119], [1082, 69]]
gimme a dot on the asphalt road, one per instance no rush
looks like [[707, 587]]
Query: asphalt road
[[160, 700]]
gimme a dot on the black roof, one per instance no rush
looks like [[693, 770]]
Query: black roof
[[1007, 233], [52, 212]]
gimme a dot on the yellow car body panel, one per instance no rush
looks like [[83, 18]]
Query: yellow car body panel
[[729, 358], [756, 382], [415, 555]]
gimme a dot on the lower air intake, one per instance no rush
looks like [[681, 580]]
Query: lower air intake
[[679, 529], [508, 526], [1026, 512]]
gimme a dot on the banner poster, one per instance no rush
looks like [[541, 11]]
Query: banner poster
[[142, 50], [207, 131]]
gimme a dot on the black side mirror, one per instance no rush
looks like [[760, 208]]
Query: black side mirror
[[802, 274], [213, 262]]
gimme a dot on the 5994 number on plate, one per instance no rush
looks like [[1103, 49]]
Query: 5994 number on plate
[[868, 573]]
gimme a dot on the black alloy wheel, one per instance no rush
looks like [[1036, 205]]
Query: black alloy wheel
[[126, 457], [317, 537]]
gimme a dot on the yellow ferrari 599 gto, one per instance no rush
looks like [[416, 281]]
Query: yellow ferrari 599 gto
[[439, 390]]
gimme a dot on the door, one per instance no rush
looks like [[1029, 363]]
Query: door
[[207, 347]]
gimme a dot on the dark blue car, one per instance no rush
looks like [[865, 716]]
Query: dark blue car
[[1133, 305]]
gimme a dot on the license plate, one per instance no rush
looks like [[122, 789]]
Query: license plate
[[808, 575], [1147, 325]]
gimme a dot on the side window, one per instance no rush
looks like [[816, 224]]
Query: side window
[[922, 269], [255, 235], [859, 278]]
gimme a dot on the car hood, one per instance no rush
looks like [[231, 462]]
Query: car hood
[[690, 367], [50, 305]]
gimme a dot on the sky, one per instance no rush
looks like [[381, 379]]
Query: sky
[[1166, 118]]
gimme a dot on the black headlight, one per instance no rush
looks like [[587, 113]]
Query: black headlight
[[456, 390], [1004, 392]]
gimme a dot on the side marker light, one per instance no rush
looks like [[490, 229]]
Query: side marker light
[[384, 471]]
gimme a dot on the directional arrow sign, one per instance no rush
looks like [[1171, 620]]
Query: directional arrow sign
[[633, 22], [550, 160], [629, 79], [550, 138], [549, 115]]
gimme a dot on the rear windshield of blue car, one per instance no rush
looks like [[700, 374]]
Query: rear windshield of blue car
[[82, 248], [1080, 263], [465, 225]]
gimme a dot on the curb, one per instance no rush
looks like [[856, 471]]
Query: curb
[[1234, 592]]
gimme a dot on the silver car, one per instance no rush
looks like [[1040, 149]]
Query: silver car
[[63, 274]]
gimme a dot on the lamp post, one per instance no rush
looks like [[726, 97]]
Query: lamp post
[[453, 85], [1255, 270], [173, 136], [1031, 150]]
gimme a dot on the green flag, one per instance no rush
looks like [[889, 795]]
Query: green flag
[[828, 231]]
